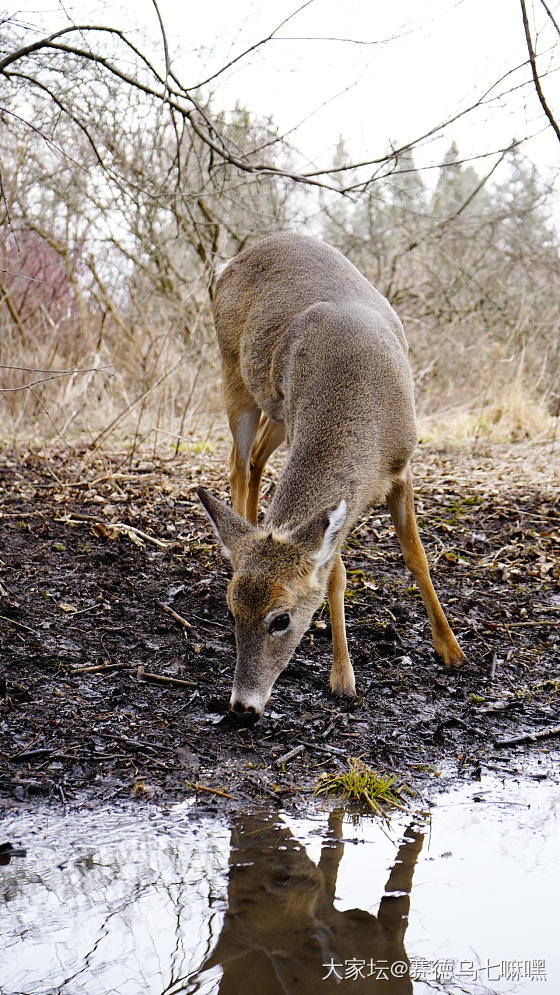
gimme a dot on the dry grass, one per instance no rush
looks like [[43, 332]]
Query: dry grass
[[135, 388], [513, 415], [180, 405], [161, 394]]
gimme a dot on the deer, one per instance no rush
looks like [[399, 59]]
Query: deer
[[312, 354]]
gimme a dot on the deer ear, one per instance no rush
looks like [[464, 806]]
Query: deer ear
[[319, 535], [336, 519], [229, 527]]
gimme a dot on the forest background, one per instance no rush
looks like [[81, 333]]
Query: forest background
[[124, 191]]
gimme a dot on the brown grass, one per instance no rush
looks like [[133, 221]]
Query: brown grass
[[139, 389], [513, 415]]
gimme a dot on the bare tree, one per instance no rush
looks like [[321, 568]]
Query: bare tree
[[135, 187], [473, 269], [52, 62]]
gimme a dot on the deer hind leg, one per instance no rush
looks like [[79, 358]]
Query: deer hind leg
[[401, 506], [270, 435], [243, 415], [342, 676]]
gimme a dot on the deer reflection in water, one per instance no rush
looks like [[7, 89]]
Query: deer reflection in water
[[282, 934]]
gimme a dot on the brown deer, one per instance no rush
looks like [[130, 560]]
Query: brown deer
[[313, 354]]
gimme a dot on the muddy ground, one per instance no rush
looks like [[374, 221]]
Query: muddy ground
[[82, 627]]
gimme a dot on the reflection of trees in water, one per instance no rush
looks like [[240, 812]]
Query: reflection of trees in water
[[281, 926], [143, 914], [112, 916]]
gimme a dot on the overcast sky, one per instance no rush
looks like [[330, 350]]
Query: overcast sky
[[403, 67]]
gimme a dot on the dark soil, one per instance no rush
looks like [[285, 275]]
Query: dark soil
[[78, 593]]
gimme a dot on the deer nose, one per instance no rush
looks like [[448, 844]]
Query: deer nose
[[248, 711]]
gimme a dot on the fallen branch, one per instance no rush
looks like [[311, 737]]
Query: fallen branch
[[290, 755], [19, 625], [528, 737], [134, 743], [143, 675], [212, 791], [131, 532], [82, 611], [178, 618], [500, 706], [518, 625], [24, 749], [322, 748], [98, 668], [120, 528], [41, 753], [21, 514]]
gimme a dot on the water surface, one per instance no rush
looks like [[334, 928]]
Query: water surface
[[137, 903]]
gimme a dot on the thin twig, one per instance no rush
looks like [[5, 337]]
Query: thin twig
[[178, 618], [532, 59], [99, 667], [290, 755], [24, 749], [518, 625], [119, 527], [212, 791], [82, 611], [20, 625]]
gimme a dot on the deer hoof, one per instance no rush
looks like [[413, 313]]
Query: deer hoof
[[343, 688], [451, 654]]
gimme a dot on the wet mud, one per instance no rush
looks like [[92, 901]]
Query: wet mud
[[104, 696]]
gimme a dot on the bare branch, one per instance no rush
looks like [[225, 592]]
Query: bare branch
[[164, 39], [7, 209], [551, 16], [48, 141], [536, 80], [54, 375], [66, 110], [181, 101], [253, 48]]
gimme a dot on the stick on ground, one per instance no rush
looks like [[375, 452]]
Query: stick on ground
[[528, 737], [178, 618], [143, 675]]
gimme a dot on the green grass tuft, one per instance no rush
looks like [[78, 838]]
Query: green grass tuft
[[361, 783]]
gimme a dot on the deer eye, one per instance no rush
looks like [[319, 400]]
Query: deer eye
[[279, 623]]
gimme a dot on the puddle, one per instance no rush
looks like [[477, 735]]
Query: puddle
[[141, 903]]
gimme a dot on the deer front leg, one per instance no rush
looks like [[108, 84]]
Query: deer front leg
[[269, 437], [401, 506], [238, 480], [243, 424], [342, 676]]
